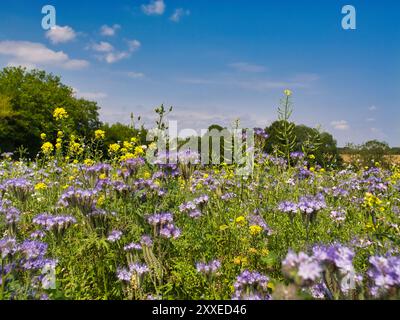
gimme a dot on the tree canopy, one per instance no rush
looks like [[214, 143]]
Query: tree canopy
[[27, 101]]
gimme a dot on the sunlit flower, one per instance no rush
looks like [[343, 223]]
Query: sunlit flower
[[47, 148], [60, 114], [288, 93], [99, 134]]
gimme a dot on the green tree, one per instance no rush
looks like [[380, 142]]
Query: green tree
[[28, 99]]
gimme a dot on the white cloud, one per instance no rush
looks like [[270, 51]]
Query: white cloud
[[302, 81], [102, 47], [59, 34], [154, 8], [111, 55], [179, 14], [90, 95], [36, 54], [372, 108], [134, 45], [135, 75], [247, 67], [340, 125], [109, 31]]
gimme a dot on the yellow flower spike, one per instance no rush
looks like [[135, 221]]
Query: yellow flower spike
[[237, 260], [43, 136], [60, 134], [40, 186], [101, 200], [240, 220], [134, 140], [88, 162], [287, 92], [60, 114], [113, 148], [146, 175], [47, 148], [99, 134], [255, 230], [253, 250], [265, 252], [139, 150]]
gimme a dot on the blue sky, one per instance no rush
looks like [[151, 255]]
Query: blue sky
[[219, 60]]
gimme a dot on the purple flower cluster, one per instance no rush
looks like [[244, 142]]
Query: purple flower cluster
[[251, 286], [163, 225], [335, 260], [53, 223], [130, 167], [133, 246], [146, 241], [260, 132], [138, 269], [84, 200], [257, 220], [208, 269], [308, 206], [28, 255], [114, 236], [384, 274], [12, 215], [194, 208], [304, 269], [20, 188], [338, 216]]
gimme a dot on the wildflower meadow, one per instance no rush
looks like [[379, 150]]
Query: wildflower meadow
[[77, 223]]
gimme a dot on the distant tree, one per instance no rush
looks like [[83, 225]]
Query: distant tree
[[27, 102], [119, 132], [321, 144], [374, 151]]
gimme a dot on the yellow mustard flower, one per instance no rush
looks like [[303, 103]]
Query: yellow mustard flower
[[103, 176], [88, 162], [139, 150], [60, 114], [40, 186], [127, 145], [101, 200], [99, 134], [114, 148], [255, 230], [60, 134], [47, 148], [253, 250], [43, 136], [240, 220], [146, 175], [288, 92]]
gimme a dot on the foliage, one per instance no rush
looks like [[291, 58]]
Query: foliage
[[28, 99]]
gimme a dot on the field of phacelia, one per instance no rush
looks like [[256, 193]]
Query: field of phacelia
[[124, 229]]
